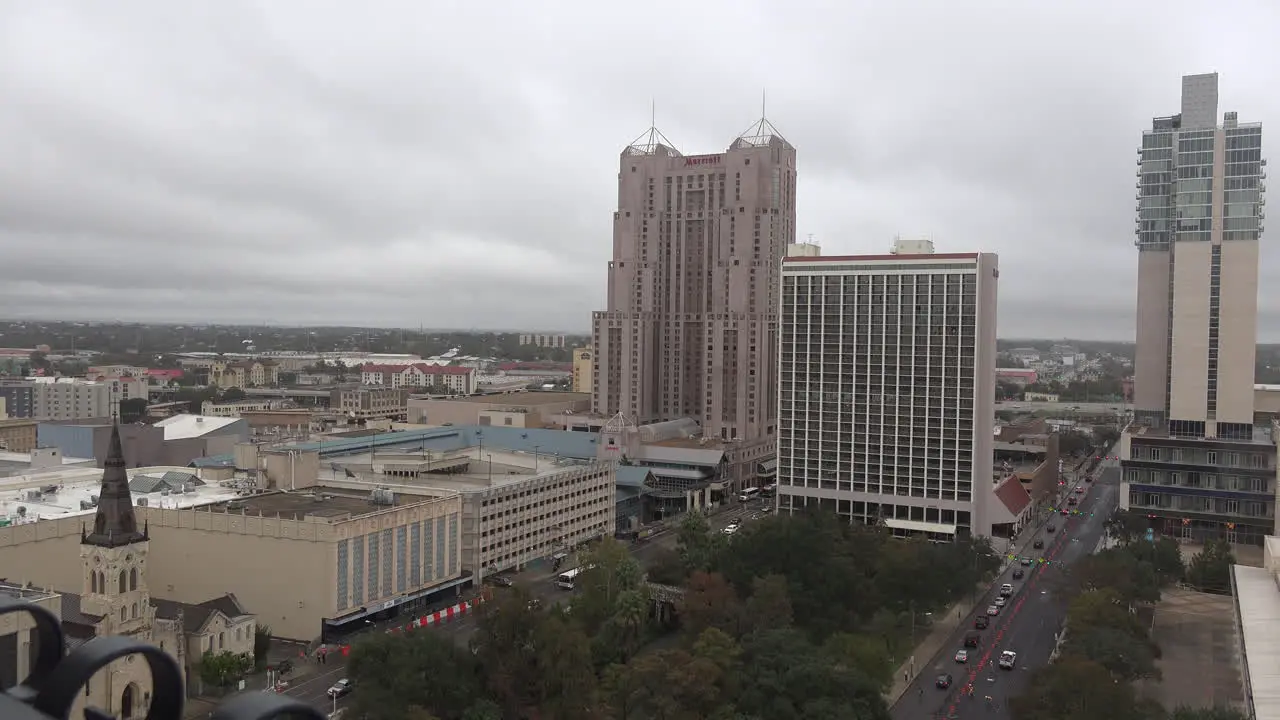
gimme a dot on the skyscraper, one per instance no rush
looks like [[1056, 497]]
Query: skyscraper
[[887, 388], [1193, 459], [691, 325]]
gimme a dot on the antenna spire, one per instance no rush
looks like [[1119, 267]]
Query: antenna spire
[[764, 97], [653, 112]]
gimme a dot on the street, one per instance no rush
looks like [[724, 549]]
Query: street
[[1028, 625]]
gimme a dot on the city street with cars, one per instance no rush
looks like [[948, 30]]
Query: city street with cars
[[1021, 634]]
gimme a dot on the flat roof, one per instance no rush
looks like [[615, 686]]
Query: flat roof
[[904, 257], [335, 503], [528, 397], [1258, 603], [21, 592], [508, 467], [180, 427], [70, 487]]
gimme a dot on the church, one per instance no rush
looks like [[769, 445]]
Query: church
[[115, 599]]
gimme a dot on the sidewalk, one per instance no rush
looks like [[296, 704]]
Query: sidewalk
[[945, 623]]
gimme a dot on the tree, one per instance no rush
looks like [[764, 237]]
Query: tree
[[132, 410], [769, 605], [666, 568], [710, 602], [287, 378], [1075, 688], [225, 668], [566, 680], [1106, 436], [1210, 569], [1117, 570], [863, 654], [1127, 525], [611, 571], [1165, 557], [423, 670], [695, 543], [1073, 442], [233, 395], [1214, 713]]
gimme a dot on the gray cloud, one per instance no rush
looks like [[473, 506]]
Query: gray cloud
[[454, 164]]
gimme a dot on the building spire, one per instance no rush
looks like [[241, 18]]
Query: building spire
[[115, 523]]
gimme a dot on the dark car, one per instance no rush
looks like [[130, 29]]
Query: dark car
[[981, 622], [501, 580], [943, 682], [972, 639], [1051, 528], [1018, 573], [1038, 544]]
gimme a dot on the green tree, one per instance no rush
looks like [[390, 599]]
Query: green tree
[[1214, 713], [666, 568], [1164, 556], [611, 571], [225, 668], [565, 678], [132, 410], [769, 605], [287, 378], [233, 395], [863, 654], [1210, 569], [787, 678], [1118, 570], [695, 543], [423, 670], [1073, 442], [1127, 525], [1106, 436], [1079, 689]]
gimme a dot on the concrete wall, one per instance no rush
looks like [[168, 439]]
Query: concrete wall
[[1189, 372], [18, 435]]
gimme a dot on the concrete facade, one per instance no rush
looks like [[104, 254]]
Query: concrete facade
[[18, 435], [144, 445], [887, 389], [1193, 459], [370, 402], [582, 361], [690, 327], [518, 409]]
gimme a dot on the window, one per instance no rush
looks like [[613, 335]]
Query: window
[[1211, 458], [133, 578], [122, 581], [1131, 476]]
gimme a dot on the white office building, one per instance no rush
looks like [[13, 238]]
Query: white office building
[[886, 388]]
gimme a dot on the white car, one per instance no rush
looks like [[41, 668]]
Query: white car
[[339, 689], [1006, 590], [1008, 659], [993, 610], [730, 530], [962, 656]]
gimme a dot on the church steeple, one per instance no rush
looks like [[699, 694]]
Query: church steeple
[[115, 524]]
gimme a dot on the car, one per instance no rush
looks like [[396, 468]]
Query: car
[[993, 610], [1018, 573], [962, 656], [1008, 659], [1051, 528], [1070, 501], [1000, 602], [733, 525], [1006, 590], [982, 622], [1026, 561], [1038, 544], [1088, 478], [501, 580], [1065, 511], [339, 689], [943, 682], [1079, 489], [972, 639]]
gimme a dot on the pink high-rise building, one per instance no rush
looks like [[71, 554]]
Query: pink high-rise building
[[691, 325]]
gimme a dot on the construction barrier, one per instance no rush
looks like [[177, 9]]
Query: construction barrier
[[438, 617]]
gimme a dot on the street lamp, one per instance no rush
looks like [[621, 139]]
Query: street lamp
[[913, 636], [490, 456], [535, 457]]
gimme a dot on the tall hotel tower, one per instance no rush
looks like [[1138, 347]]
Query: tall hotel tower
[[1192, 458], [887, 389], [691, 325]]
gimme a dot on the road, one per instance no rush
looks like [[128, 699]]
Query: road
[[539, 582], [1078, 408], [1028, 625]]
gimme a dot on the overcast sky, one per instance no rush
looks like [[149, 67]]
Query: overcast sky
[[454, 164]]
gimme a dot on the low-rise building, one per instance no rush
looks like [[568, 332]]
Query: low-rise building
[[1017, 376], [368, 402], [175, 440], [517, 409], [235, 409], [56, 398], [452, 378], [18, 435], [244, 373]]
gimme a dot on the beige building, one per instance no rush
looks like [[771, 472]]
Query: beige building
[[517, 409], [543, 340], [106, 568], [369, 402], [690, 327], [18, 435], [244, 374], [582, 359], [1200, 212], [887, 389]]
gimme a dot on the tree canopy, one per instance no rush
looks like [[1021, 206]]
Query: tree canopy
[[793, 618]]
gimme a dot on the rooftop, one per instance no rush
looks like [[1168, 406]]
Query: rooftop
[[1262, 435], [180, 427], [23, 592], [526, 398], [508, 466], [327, 503], [1258, 605], [70, 492]]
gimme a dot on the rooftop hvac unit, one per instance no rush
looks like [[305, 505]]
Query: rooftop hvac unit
[[382, 496], [86, 505], [49, 489], [94, 500], [34, 496]]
